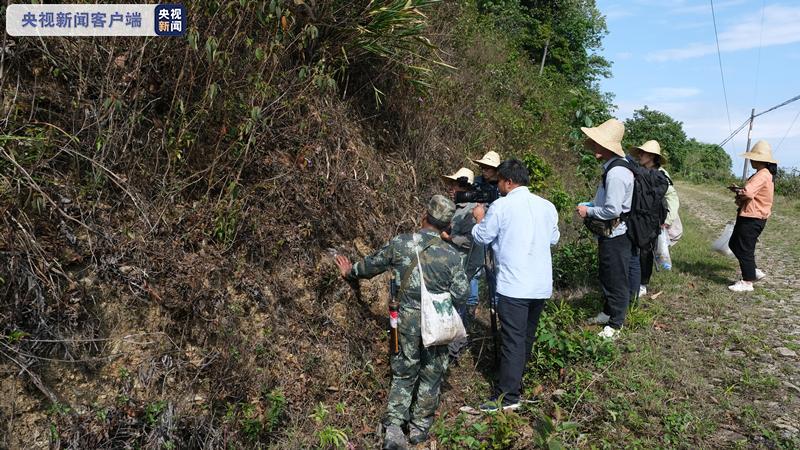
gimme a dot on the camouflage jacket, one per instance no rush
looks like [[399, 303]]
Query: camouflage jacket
[[441, 266], [461, 238]]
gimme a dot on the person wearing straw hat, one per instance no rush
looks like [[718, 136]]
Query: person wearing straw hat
[[612, 200], [649, 156], [755, 206], [460, 236], [488, 165]]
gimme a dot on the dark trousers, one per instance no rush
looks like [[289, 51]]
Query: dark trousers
[[646, 261], [743, 244], [635, 271], [614, 264], [519, 318]]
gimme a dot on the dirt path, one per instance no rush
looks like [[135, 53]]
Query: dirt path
[[763, 328]]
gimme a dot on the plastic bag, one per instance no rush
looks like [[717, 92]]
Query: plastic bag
[[440, 322], [661, 252], [721, 244]]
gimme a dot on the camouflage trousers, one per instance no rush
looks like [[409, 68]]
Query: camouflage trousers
[[417, 374]]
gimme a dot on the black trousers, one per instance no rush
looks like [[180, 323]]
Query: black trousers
[[614, 264], [646, 261], [743, 244], [519, 318]]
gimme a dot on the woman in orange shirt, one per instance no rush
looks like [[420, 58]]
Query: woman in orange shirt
[[755, 206]]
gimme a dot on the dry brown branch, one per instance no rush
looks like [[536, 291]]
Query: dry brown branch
[[34, 378], [35, 186]]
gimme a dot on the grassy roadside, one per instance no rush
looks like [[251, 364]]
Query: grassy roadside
[[697, 366], [700, 370]]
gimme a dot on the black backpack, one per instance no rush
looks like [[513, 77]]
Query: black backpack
[[648, 211]]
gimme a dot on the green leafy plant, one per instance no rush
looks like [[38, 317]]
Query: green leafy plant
[[502, 428], [320, 413], [277, 407], [16, 336], [227, 218], [575, 263], [458, 435], [153, 411], [539, 171], [559, 344], [548, 430], [331, 436], [497, 430], [59, 409], [563, 202], [250, 423]]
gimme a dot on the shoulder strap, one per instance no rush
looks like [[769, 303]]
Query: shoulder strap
[[616, 163], [666, 176], [410, 268]]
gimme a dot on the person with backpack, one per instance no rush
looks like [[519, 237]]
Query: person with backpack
[[604, 216], [650, 157], [755, 206]]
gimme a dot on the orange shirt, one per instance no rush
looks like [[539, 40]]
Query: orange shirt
[[756, 196]]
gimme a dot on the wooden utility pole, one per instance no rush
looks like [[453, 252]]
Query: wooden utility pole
[[749, 133]]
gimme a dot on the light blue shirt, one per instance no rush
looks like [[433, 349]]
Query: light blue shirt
[[521, 227], [615, 198]]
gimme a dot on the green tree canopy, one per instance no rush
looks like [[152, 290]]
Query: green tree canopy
[[648, 124], [704, 161], [572, 31]]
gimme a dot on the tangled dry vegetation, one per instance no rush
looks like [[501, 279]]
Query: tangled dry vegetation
[[169, 207]]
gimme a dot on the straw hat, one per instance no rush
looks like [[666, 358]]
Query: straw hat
[[760, 152], [462, 172], [652, 147], [608, 134], [491, 159]]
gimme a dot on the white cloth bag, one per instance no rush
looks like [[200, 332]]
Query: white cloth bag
[[721, 244], [441, 323], [675, 231]]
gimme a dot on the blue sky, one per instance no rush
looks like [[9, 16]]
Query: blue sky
[[664, 56]]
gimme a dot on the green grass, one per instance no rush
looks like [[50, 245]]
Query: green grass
[[661, 392], [695, 366]]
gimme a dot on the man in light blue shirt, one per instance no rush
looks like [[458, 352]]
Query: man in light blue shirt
[[520, 227]]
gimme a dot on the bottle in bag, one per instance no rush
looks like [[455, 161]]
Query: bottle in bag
[[394, 319], [394, 335]]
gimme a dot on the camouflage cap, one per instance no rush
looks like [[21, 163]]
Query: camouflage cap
[[441, 208]]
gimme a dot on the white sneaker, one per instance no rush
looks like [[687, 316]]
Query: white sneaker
[[609, 333], [642, 290], [600, 319], [760, 275], [741, 286]]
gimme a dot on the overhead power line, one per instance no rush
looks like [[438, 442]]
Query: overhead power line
[[787, 131], [760, 43], [735, 132], [744, 124], [721, 72], [793, 99]]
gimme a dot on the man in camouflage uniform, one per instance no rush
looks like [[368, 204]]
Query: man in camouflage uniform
[[417, 371], [460, 236]]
